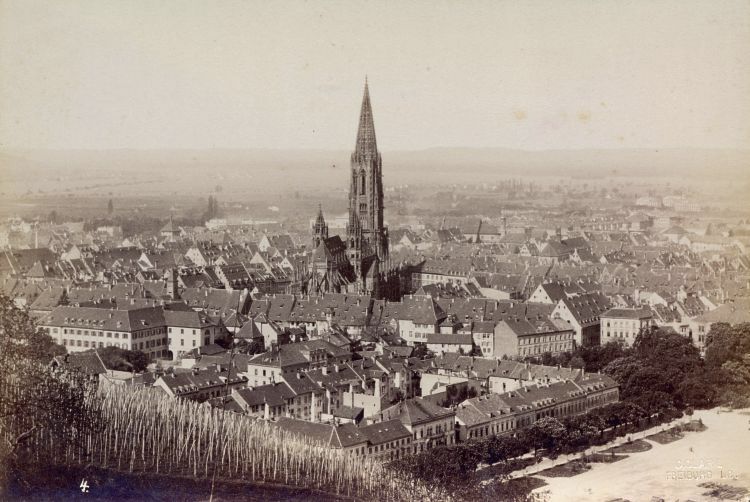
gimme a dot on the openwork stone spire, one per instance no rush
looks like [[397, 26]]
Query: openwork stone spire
[[366, 144]]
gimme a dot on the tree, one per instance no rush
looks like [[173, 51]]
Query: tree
[[110, 207], [725, 342], [545, 433], [118, 359], [577, 362], [20, 339], [36, 397]]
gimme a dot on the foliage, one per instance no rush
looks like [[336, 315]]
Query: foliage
[[457, 394], [662, 373], [545, 433], [727, 343], [593, 358], [35, 398], [115, 358], [728, 360], [21, 339], [444, 466]]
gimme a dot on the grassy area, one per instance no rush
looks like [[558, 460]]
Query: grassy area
[[694, 426], [506, 467], [723, 492], [566, 470], [602, 458], [636, 446], [667, 436]]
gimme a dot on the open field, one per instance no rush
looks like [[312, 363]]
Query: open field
[[671, 471]]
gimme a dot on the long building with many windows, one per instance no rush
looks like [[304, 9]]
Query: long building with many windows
[[156, 331]]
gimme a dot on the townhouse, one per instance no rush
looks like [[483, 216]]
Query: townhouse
[[383, 441], [200, 385], [296, 396], [506, 413], [624, 324], [188, 330], [429, 424], [583, 313], [270, 366], [524, 338], [415, 317], [81, 328]]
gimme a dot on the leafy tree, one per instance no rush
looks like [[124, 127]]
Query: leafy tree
[[577, 362], [696, 392], [21, 339], [119, 359], [545, 433], [725, 342], [35, 397]]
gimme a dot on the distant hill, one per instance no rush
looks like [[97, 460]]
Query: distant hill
[[274, 170]]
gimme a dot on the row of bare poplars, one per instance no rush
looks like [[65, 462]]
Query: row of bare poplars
[[143, 430]]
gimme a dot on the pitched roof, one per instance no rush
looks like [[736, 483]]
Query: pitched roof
[[341, 436], [636, 313], [87, 362], [385, 432], [105, 319], [416, 411]]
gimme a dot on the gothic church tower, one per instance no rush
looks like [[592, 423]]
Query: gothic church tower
[[367, 238]]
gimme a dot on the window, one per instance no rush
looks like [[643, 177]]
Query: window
[[124, 335]]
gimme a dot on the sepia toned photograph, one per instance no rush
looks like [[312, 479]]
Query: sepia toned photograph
[[397, 251]]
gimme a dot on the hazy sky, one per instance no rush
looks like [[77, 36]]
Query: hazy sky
[[271, 74]]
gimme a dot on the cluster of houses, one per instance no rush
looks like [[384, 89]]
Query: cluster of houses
[[224, 320]]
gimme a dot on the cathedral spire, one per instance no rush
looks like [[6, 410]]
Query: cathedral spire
[[321, 219], [366, 144]]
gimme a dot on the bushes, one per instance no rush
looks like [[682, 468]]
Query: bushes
[[446, 466]]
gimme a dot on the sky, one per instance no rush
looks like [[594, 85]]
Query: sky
[[529, 75]]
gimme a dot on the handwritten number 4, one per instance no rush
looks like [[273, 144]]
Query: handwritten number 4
[[84, 486]]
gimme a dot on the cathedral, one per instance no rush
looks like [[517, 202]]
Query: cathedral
[[359, 262]]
